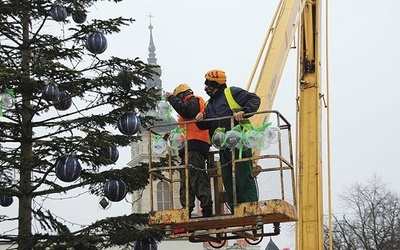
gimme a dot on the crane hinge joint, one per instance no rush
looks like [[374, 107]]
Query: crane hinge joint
[[309, 66]]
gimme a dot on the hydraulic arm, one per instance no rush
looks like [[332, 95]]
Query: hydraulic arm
[[304, 17]]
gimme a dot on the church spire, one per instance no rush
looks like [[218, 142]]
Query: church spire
[[152, 60]]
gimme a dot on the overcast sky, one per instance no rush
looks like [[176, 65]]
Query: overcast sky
[[192, 37]]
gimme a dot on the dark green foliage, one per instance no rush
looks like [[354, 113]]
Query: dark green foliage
[[102, 234], [34, 134]]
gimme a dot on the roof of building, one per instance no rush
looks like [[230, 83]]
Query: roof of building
[[156, 82], [271, 245]]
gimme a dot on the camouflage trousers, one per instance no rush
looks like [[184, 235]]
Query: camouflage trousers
[[199, 182]]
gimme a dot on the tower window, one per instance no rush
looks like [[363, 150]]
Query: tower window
[[163, 199]]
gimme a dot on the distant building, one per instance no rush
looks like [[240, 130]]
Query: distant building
[[271, 245]]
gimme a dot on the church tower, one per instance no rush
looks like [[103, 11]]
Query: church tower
[[152, 60], [139, 149]]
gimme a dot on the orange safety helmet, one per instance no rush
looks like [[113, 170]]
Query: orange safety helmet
[[216, 75]]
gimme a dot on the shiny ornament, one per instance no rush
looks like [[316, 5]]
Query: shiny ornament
[[63, 101], [96, 43], [7, 100], [50, 92], [115, 190], [218, 138], [79, 17], [272, 134], [241, 145], [250, 138], [163, 109], [176, 140], [104, 203], [68, 168], [59, 13], [111, 153], [232, 138], [6, 200], [159, 145], [262, 142], [128, 123]]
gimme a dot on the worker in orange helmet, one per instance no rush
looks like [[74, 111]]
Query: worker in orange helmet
[[218, 106], [188, 105]]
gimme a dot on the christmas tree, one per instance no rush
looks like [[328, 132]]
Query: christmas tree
[[65, 110]]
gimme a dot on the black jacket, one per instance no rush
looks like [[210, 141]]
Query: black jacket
[[218, 106], [189, 109]]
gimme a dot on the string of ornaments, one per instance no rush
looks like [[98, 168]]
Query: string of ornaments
[[242, 137], [239, 137]]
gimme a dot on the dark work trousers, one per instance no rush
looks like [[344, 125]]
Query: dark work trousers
[[199, 183], [246, 189]]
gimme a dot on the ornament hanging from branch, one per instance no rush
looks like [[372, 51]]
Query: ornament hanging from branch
[[128, 123], [96, 43], [68, 168], [79, 16], [50, 92], [6, 200], [64, 102], [115, 190], [110, 153], [59, 13], [104, 203]]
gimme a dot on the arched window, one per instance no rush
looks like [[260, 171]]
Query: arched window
[[163, 195]]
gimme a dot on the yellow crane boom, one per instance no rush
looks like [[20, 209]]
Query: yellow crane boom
[[304, 17], [273, 54]]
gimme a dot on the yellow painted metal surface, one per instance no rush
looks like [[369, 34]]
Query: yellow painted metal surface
[[304, 15], [272, 209], [280, 38], [245, 217], [310, 227]]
